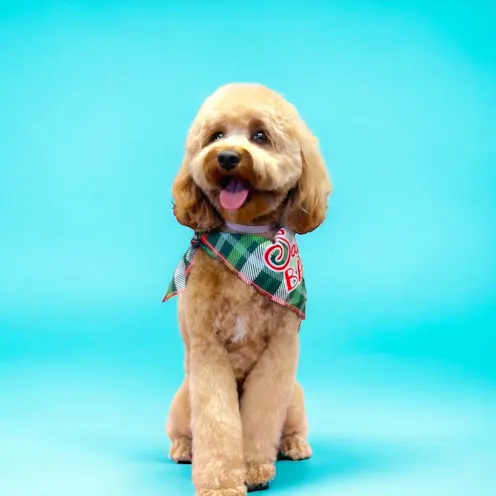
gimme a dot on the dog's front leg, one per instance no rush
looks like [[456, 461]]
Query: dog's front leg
[[266, 397], [218, 465]]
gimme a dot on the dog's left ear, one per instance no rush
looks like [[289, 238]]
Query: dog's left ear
[[191, 206], [307, 205]]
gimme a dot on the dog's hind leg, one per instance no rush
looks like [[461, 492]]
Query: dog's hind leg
[[178, 426], [294, 445]]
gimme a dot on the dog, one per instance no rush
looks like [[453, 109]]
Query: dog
[[252, 170]]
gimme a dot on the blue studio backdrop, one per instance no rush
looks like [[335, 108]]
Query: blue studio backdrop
[[398, 350]]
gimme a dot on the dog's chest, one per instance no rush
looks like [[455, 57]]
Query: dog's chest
[[241, 318], [244, 343], [244, 322]]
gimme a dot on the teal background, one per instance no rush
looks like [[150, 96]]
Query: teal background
[[398, 351]]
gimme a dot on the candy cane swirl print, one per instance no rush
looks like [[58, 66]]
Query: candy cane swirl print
[[283, 256]]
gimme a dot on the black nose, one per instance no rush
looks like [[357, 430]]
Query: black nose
[[228, 159]]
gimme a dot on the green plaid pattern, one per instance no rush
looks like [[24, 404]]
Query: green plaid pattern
[[272, 267]]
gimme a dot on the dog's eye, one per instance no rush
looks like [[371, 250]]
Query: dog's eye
[[260, 137], [216, 136]]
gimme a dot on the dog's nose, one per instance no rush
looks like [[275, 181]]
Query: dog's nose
[[228, 159]]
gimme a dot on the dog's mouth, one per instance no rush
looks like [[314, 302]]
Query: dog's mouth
[[234, 193]]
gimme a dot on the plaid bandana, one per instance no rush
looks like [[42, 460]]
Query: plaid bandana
[[273, 268]]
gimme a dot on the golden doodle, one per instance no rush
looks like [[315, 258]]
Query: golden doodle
[[252, 178]]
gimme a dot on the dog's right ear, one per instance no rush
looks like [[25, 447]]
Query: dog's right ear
[[191, 207]]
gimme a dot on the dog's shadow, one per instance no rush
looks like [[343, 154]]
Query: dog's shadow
[[339, 459], [331, 460]]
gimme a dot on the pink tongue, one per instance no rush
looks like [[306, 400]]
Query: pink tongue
[[233, 195]]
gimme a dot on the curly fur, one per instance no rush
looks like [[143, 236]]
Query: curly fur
[[240, 406]]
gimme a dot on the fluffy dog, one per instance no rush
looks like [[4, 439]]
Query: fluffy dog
[[250, 161]]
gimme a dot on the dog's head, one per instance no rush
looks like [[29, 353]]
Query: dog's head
[[250, 159]]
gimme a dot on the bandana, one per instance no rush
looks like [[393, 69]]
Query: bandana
[[273, 268]]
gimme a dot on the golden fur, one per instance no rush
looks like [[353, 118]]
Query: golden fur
[[240, 405]]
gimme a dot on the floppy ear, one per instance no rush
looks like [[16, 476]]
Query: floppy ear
[[307, 205], [191, 207]]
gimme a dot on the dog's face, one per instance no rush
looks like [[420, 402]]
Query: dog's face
[[250, 159]]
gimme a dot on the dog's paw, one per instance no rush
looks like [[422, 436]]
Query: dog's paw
[[259, 475], [180, 451], [258, 487], [236, 491], [294, 448]]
